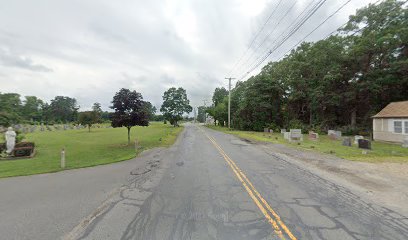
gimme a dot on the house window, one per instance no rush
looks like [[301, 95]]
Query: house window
[[406, 127], [397, 126]]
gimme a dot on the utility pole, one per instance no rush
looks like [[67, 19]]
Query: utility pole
[[195, 115], [205, 113], [229, 101]]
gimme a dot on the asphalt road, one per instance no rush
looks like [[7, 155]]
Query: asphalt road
[[209, 185]]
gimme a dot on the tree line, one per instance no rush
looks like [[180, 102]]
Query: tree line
[[338, 82], [33, 110]]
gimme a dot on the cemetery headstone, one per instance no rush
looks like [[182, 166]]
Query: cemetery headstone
[[347, 141], [295, 135], [364, 144], [405, 143], [338, 134], [334, 135], [283, 130], [266, 130], [286, 135], [356, 138], [313, 136]]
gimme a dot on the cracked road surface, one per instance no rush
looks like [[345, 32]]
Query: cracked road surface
[[211, 185]]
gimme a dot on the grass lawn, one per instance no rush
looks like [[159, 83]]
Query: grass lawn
[[381, 152], [84, 149]]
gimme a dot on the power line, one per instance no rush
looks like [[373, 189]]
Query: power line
[[292, 31], [256, 35], [323, 22], [267, 36], [296, 25]]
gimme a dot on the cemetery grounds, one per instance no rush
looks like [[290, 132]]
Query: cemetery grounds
[[381, 151], [102, 145]]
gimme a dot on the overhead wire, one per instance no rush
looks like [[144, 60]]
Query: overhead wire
[[256, 36], [292, 31]]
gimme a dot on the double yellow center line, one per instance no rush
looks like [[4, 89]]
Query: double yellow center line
[[262, 204]]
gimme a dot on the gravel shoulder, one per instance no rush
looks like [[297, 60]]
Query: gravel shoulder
[[384, 183]]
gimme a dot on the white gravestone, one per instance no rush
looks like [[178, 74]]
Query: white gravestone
[[356, 138], [10, 140], [286, 135], [405, 143], [295, 135]]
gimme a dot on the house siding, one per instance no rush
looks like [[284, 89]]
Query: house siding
[[383, 130]]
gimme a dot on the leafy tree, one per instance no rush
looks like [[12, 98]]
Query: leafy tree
[[63, 109], [219, 95], [151, 110], [130, 110], [10, 105], [97, 109], [175, 103], [32, 108], [201, 114], [88, 118]]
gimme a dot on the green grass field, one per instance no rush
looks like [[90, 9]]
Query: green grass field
[[84, 149], [381, 152]]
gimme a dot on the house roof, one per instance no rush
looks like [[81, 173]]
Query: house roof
[[394, 109]]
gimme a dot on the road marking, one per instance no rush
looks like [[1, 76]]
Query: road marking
[[249, 187]]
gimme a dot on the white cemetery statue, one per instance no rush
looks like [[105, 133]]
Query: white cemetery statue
[[10, 140]]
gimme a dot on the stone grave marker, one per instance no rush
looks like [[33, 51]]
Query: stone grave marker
[[334, 135], [286, 135], [364, 144], [405, 143], [313, 136], [283, 130], [338, 134], [295, 135], [347, 141], [356, 138], [266, 130]]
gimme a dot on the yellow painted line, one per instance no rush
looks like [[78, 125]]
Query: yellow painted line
[[251, 190]]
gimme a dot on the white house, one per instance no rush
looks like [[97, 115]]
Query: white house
[[391, 123]]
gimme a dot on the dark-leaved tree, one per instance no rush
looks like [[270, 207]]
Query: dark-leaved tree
[[130, 110], [175, 103]]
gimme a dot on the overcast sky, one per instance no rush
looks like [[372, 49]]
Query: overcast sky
[[89, 49]]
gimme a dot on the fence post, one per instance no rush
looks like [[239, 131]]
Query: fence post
[[63, 158]]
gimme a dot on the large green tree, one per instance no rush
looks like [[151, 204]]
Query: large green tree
[[63, 109], [130, 110], [340, 81], [32, 108], [175, 104]]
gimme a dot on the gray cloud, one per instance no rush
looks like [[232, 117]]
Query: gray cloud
[[96, 47], [13, 60]]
